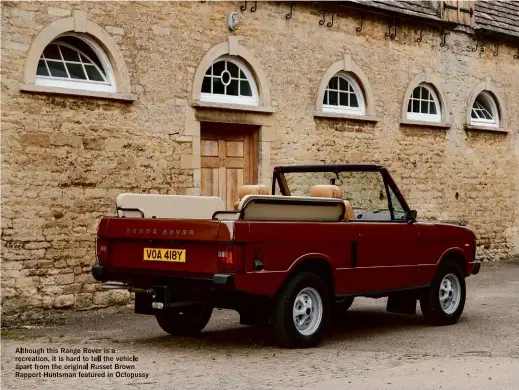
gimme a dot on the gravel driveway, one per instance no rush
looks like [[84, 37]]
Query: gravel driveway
[[367, 349]]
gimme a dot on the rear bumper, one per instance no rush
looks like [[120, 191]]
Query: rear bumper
[[255, 283], [476, 268], [101, 273]]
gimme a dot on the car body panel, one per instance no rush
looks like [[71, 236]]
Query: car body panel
[[362, 256]]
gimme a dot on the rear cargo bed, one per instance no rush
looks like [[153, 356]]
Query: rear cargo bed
[[158, 246]]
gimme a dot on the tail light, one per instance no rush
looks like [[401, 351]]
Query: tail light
[[102, 250], [230, 258]]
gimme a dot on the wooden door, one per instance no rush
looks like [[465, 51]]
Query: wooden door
[[229, 160]]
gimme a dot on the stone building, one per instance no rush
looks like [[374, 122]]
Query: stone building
[[198, 97]]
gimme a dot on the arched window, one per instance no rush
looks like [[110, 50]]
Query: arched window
[[424, 104], [77, 62], [228, 80], [344, 95], [484, 111]]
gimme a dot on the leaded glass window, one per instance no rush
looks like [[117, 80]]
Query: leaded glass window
[[229, 81]]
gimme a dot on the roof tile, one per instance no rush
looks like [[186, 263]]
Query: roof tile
[[497, 16]]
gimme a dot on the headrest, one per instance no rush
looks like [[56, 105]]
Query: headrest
[[326, 191], [257, 189]]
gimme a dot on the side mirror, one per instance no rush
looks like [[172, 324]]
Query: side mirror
[[410, 216]]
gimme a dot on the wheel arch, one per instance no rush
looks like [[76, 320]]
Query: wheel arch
[[457, 256], [319, 264]]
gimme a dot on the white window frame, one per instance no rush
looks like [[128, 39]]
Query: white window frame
[[494, 111], [229, 99], [417, 116], [87, 85], [360, 110]]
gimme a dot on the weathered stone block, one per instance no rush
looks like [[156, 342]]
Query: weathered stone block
[[119, 296], [54, 11], [47, 302], [114, 30], [11, 273], [72, 289], [268, 134], [26, 282], [161, 30], [84, 300], [25, 15], [8, 292], [188, 161], [37, 245], [90, 287], [84, 278], [11, 265], [52, 290], [63, 279], [46, 263], [64, 301], [102, 298]]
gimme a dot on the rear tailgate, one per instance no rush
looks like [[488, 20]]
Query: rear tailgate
[[161, 246]]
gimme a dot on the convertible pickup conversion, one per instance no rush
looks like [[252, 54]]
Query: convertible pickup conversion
[[289, 257]]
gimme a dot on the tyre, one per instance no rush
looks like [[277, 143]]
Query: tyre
[[301, 312], [443, 302], [187, 321]]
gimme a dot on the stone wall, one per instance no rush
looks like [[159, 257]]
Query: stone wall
[[65, 159]]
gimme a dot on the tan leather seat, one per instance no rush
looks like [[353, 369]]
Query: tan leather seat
[[331, 191], [250, 189], [326, 191]]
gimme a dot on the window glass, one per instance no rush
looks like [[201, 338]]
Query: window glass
[[233, 88], [76, 71], [398, 210], [343, 94], [484, 110], [364, 190], [353, 101], [42, 68], [277, 188], [84, 48], [57, 69], [52, 52], [93, 73], [206, 85], [229, 81], [245, 88], [424, 104], [71, 62]]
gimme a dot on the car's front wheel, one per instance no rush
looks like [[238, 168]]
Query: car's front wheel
[[443, 302], [301, 312], [185, 321]]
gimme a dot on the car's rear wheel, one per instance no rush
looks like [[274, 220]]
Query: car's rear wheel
[[443, 302], [184, 321], [301, 312]]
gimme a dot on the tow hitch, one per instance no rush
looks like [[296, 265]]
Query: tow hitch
[[158, 298]]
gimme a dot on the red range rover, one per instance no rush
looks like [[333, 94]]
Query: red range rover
[[289, 257]]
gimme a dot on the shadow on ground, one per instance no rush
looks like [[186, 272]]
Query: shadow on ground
[[352, 325]]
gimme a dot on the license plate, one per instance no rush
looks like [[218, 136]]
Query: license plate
[[161, 254]]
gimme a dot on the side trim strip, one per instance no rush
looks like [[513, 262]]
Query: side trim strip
[[377, 293], [392, 266]]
